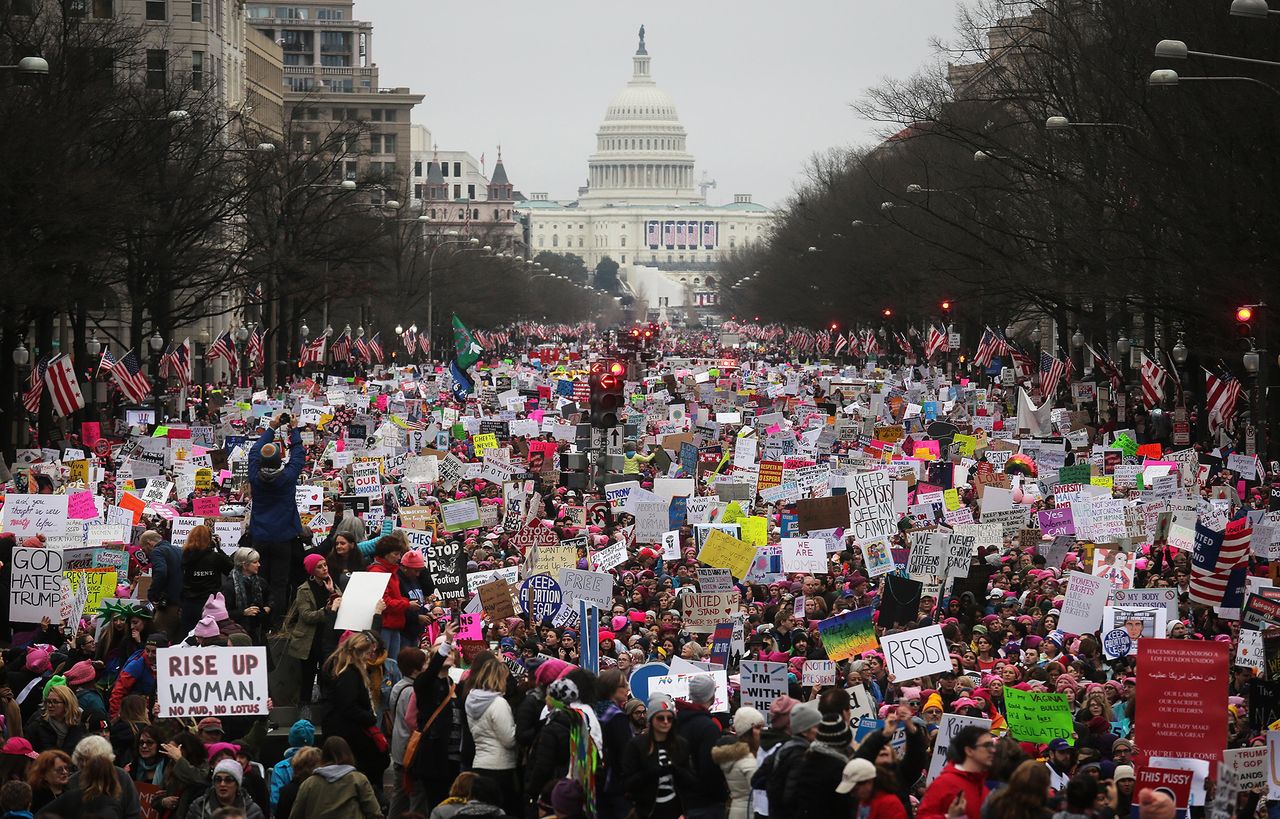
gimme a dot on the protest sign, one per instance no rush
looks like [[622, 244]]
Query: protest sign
[[948, 728], [871, 513], [362, 594], [35, 584], [1038, 716], [1183, 685], [211, 681], [540, 596], [1085, 599], [95, 585], [578, 584], [714, 580], [916, 653], [459, 515], [495, 596], [820, 672], [443, 564], [1249, 765], [30, 515], [703, 612], [727, 552], [1174, 782], [849, 633], [804, 555], [762, 683]]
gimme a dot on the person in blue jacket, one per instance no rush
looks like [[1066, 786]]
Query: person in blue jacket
[[274, 525], [165, 592], [301, 734]]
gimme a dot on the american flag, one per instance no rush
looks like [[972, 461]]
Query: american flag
[[31, 398], [341, 349], [375, 347], [1051, 372], [362, 347], [1023, 367], [106, 363], [1217, 555], [254, 347], [130, 379], [312, 353], [936, 342], [990, 346], [1222, 391], [1069, 364], [855, 346], [1153, 381], [904, 344], [177, 363], [841, 343], [60, 378], [424, 342], [223, 347], [409, 340], [869, 343], [1103, 364]]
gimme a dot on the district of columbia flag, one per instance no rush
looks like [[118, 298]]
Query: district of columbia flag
[[60, 378]]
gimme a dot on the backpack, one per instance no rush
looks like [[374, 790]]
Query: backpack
[[776, 782]]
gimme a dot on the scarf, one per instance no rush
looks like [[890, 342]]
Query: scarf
[[584, 756], [240, 583]]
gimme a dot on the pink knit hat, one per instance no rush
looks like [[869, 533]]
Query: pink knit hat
[[311, 561], [215, 607]]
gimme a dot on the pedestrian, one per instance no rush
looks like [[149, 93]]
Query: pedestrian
[[246, 595], [812, 782], [204, 566], [274, 525], [226, 792], [961, 788], [493, 730], [1025, 796], [309, 626], [336, 790], [736, 756], [347, 704], [708, 794], [873, 789], [657, 765]]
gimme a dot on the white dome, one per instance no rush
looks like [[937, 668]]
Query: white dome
[[641, 102]]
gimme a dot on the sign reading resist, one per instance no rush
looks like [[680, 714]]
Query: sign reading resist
[[916, 653]]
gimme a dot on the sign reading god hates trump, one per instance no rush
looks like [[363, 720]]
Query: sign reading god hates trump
[[211, 681]]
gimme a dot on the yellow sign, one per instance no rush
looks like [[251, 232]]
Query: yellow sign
[[951, 499], [890, 435], [79, 472], [100, 585], [924, 454], [1102, 480], [484, 442], [964, 444], [732, 513], [204, 478], [755, 530], [723, 551]]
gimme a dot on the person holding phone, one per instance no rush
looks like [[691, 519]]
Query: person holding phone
[[274, 526]]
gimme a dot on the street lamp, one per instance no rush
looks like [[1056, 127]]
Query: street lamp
[[304, 331], [1257, 9], [1179, 352], [29, 65], [1060, 123], [1177, 50], [21, 355], [1168, 78], [1077, 339], [155, 343], [1122, 345], [399, 330]]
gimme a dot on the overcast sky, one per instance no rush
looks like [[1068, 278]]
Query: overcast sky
[[759, 85]]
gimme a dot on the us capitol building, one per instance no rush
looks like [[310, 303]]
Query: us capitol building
[[644, 207]]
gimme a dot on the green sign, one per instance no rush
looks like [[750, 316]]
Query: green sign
[[1077, 473], [1038, 716]]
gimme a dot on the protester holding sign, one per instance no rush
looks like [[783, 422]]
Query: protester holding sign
[[274, 526]]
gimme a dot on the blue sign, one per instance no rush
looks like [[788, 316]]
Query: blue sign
[[541, 595], [640, 677], [677, 512], [589, 645], [1117, 643]]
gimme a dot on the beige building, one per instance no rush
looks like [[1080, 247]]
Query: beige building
[[264, 82], [330, 77]]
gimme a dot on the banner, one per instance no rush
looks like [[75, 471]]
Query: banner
[[651, 234], [1038, 716], [1184, 694], [35, 585], [211, 681], [849, 633]]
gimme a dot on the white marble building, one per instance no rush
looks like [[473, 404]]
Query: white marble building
[[643, 204]]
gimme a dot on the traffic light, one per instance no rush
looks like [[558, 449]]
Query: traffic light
[[1244, 315], [606, 380]]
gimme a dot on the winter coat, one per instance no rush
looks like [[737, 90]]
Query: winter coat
[[943, 790], [274, 518], [336, 792], [810, 789], [641, 771], [136, 677], [549, 756], [256, 593], [166, 574], [71, 806], [397, 605], [203, 571], [493, 729], [914, 761], [308, 614], [42, 735], [738, 762], [348, 711], [885, 805], [429, 690], [207, 805], [697, 727]]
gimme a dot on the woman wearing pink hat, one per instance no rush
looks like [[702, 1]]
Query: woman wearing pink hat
[[309, 626]]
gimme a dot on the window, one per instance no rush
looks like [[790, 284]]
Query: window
[[157, 68], [471, 191], [103, 9], [335, 60], [383, 143], [444, 168], [457, 191], [623, 241], [417, 170], [157, 10], [197, 11], [299, 59], [259, 12], [349, 169], [291, 12], [344, 115], [542, 240], [197, 70], [579, 241], [457, 169], [731, 242], [336, 42], [417, 191], [475, 213], [624, 258], [330, 14]]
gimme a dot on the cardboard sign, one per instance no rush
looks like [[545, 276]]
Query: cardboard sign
[[211, 681], [35, 587], [30, 515], [1085, 599], [916, 653], [362, 594], [495, 596], [703, 612], [762, 683], [727, 552]]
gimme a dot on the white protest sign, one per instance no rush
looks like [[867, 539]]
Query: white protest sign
[[211, 681], [594, 587], [871, 513], [916, 653], [671, 545], [821, 672], [948, 728], [714, 580], [30, 515], [35, 587], [362, 594], [805, 555], [365, 480], [703, 612], [156, 491], [1085, 600], [762, 683], [1249, 766], [183, 526], [615, 554]]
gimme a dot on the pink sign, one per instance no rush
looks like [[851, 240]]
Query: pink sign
[[80, 506], [382, 402], [472, 627], [207, 507], [90, 432]]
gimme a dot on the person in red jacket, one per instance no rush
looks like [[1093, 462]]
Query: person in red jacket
[[961, 788], [386, 560], [875, 788]]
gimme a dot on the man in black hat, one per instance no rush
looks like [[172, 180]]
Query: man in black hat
[[274, 525]]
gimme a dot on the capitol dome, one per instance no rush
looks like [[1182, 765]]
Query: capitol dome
[[641, 153]]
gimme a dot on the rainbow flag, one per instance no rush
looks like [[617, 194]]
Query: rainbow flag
[[849, 633]]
